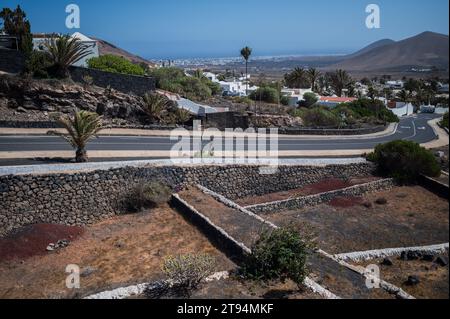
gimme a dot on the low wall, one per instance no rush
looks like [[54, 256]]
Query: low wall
[[313, 200], [138, 85], [85, 197], [11, 61], [312, 131]]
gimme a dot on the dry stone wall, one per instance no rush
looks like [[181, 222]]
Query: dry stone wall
[[85, 197]]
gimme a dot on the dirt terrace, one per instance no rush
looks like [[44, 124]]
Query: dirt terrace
[[412, 216], [323, 186], [115, 253], [434, 278]]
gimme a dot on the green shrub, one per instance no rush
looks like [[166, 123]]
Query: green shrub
[[444, 122], [37, 64], [266, 94], [115, 64], [319, 117], [279, 254], [366, 108], [175, 80], [309, 99], [405, 161], [146, 195], [186, 272]]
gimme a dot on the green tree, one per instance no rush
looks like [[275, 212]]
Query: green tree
[[297, 79], [15, 23], [405, 96], [63, 51], [246, 53], [309, 99], [81, 128], [313, 75], [340, 80]]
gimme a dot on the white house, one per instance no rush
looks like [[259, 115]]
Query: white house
[[401, 108], [92, 45]]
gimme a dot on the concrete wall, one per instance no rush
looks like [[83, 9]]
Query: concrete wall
[[138, 85], [86, 197], [11, 61]]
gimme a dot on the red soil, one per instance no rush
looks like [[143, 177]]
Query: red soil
[[325, 186], [33, 240], [345, 202]]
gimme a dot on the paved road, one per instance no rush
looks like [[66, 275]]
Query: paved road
[[413, 128]]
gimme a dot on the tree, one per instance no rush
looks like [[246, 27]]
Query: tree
[[246, 53], [297, 79], [155, 105], [309, 99], [405, 96], [313, 75], [340, 80], [81, 128], [15, 23], [63, 51], [372, 93]]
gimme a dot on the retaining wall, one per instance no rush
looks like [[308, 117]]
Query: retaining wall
[[313, 200], [11, 61], [85, 197], [138, 85]]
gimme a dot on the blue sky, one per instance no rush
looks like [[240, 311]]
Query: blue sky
[[203, 28]]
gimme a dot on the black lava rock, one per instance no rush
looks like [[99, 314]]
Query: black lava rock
[[413, 281]]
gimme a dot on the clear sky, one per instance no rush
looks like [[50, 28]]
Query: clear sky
[[219, 28]]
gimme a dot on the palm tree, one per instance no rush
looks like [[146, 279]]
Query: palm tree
[[155, 105], [81, 128], [246, 53], [313, 75], [405, 96], [297, 78], [340, 80], [182, 116], [63, 51]]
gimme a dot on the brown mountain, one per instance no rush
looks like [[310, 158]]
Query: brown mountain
[[108, 48], [426, 50]]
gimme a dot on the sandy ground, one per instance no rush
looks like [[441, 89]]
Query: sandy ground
[[434, 279], [412, 217], [121, 251]]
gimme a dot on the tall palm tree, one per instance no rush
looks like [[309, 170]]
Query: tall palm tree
[[155, 105], [81, 128], [313, 75], [63, 51], [246, 53], [340, 80]]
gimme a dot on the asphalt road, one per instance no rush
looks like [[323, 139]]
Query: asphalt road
[[413, 128]]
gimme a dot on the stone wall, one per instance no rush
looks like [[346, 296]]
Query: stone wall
[[138, 85], [314, 200], [85, 197], [11, 61]]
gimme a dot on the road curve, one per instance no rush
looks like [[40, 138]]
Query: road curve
[[414, 128]]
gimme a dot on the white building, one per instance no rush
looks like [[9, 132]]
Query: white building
[[295, 95], [395, 85], [40, 39], [401, 108]]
